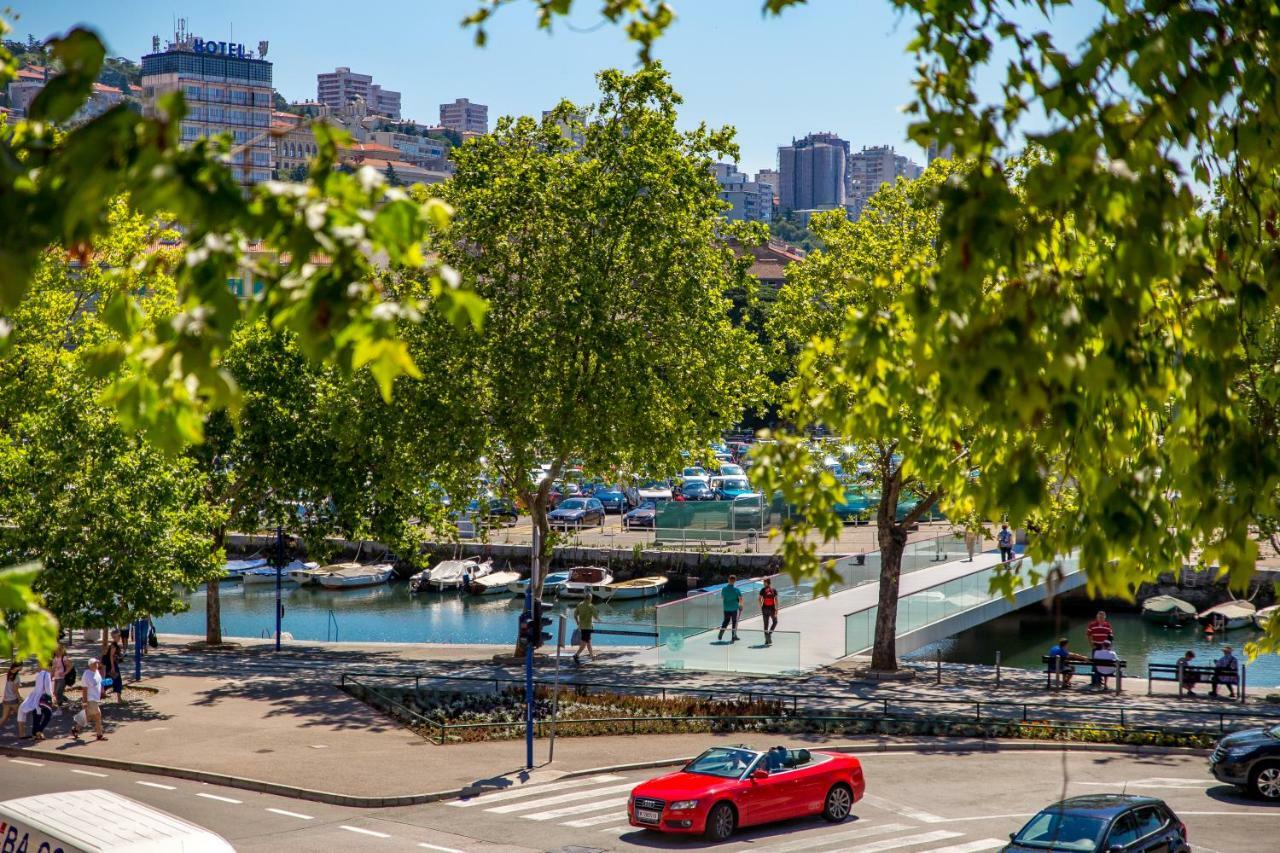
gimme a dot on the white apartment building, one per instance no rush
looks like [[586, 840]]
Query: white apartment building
[[752, 201], [418, 150], [465, 117], [338, 88], [872, 168]]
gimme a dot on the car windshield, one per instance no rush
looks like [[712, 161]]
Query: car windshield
[[725, 762], [734, 483], [648, 505], [695, 472], [1054, 829], [575, 503], [655, 484], [695, 486], [730, 469]]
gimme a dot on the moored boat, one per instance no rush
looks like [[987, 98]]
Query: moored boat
[[1228, 616], [449, 574], [1167, 610], [353, 575], [582, 579], [649, 587], [267, 574], [550, 586], [234, 570], [493, 583], [1265, 615]]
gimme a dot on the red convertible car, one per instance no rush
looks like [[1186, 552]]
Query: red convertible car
[[728, 787]]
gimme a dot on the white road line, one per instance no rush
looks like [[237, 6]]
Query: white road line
[[290, 814], [572, 796], [531, 791], [220, 799], [617, 830], [441, 849], [360, 831], [904, 811], [908, 841], [90, 773], [994, 817], [581, 808], [811, 841], [970, 846], [1233, 814], [1182, 785], [157, 785], [28, 763], [596, 821]]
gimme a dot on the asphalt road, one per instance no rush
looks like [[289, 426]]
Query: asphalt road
[[939, 803]]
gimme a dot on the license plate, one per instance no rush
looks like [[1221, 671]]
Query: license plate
[[648, 815]]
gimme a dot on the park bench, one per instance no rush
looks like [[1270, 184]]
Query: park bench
[[1206, 675], [1053, 679]]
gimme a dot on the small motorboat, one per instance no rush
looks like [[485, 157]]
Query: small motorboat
[[234, 570], [1167, 610], [353, 575], [267, 574], [635, 588], [1265, 615], [449, 574], [582, 579], [305, 574], [1228, 616], [492, 583], [550, 586]]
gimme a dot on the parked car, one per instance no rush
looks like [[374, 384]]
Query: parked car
[[697, 490], [645, 515], [694, 473], [1251, 760], [731, 469], [577, 513], [1103, 823], [728, 488], [856, 504], [494, 510], [726, 788], [613, 498], [652, 490]]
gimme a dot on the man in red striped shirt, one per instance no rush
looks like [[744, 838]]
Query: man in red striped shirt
[[1099, 632]]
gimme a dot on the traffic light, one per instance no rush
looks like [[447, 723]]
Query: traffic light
[[539, 621]]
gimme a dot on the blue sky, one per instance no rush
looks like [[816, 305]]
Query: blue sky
[[836, 65]]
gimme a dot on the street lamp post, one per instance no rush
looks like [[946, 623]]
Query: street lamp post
[[528, 645], [279, 568]]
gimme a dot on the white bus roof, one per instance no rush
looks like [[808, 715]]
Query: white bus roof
[[104, 822]]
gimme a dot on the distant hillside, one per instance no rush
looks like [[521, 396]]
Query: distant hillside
[[118, 71]]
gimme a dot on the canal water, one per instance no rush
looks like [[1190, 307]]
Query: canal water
[[1025, 635], [389, 613]]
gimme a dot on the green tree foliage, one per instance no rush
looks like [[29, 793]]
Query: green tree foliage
[[608, 343], [788, 228]]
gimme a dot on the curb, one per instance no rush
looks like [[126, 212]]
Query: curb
[[334, 799]]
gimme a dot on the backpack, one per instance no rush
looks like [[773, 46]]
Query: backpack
[[70, 678]]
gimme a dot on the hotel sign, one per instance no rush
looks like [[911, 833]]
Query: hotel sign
[[221, 48]]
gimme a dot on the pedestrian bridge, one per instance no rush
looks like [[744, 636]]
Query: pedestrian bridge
[[941, 592]]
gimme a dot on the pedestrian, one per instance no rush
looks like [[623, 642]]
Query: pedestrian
[[91, 691], [153, 641], [38, 706], [1225, 672], [769, 610], [61, 666], [1061, 659], [1104, 665], [584, 614], [731, 599], [1098, 631], [1004, 539], [111, 666], [12, 695], [970, 543], [1189, 678]]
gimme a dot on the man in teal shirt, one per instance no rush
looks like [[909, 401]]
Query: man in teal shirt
[[731, 597]]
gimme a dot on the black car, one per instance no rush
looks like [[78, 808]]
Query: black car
[[697, 490], [644, 515], [1103, 823], [614, 499], [1250, 759]]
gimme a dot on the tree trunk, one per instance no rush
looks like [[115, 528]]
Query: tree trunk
[[538, 514], [212, 604], [893, 541]]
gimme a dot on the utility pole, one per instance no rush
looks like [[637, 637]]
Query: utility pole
[[279, 568], [528, 645]]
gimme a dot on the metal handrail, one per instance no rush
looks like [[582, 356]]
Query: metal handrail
[[332, 620]]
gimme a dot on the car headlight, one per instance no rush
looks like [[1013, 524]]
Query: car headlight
[[684, 805]]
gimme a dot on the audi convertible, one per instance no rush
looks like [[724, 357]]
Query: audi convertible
[[728, 787]]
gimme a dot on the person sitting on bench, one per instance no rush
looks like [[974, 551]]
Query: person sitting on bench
[[1224, 673], [1101, 669], [1061, 660], [1190, 678]]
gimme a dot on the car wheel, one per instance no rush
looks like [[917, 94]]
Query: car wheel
[[1264, 780], [838, 803], [721, 822]]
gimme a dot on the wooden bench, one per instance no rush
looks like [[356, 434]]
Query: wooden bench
[[1210, 675], [1053, 667]]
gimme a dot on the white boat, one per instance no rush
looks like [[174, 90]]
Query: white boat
[[306, 574], [235, 569], [449, 574], [1167, 610], [635, 588], [582, 579], [550, 586], [353, 575], [1228, 616], [1263, 616], [267, 574], [492, 583]]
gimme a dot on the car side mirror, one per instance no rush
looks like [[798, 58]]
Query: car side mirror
[[1012, 836], [760, 773]]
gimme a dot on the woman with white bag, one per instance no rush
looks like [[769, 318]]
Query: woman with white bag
[[38, 706]]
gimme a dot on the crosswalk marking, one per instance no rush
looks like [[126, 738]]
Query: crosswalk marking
[[596, 820], [570, 797], [908, 841], [811, 841], [617, 830], [531, 791], [581, 808], [970, 846], [904, 811]]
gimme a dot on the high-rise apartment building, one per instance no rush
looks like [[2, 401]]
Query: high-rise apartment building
[[752, 201], [872, 168], [465, 117], [227, 90], [946, 152], [812, 173], [340, 87], [770, 177]]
